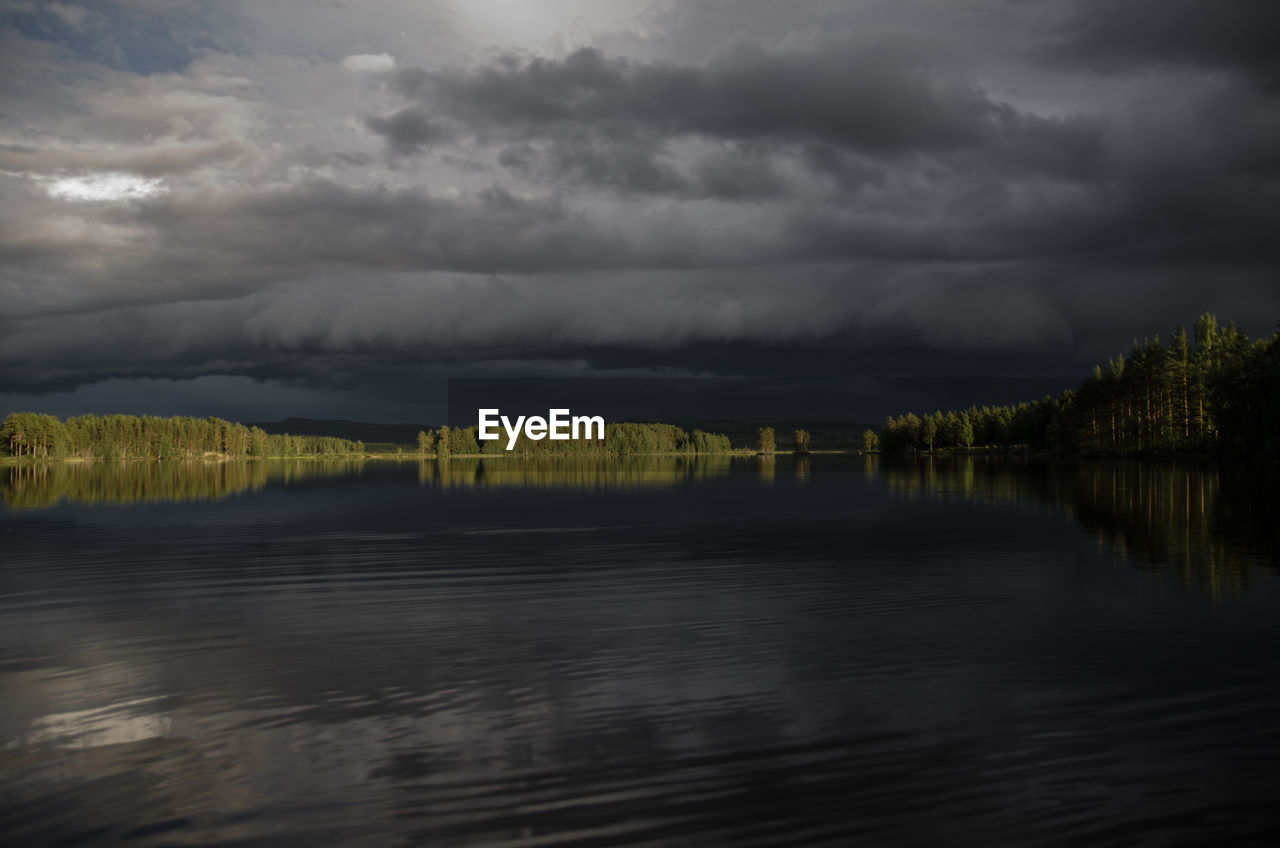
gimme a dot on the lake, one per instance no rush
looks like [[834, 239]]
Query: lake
[[714, 651]]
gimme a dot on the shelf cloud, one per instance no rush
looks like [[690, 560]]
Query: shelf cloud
[[361, 201]]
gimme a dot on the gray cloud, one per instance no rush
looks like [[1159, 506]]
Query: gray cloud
[[722, 187], [611, 122], [157, 160], [1139, 34], [865, 98], [407, 131], [319, 223]]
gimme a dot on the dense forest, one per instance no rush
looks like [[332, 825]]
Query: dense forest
[[35, 436], [1218, 393], [29, 434]]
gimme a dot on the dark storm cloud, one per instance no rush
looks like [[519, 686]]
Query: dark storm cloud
[[737, 187], [1134, 34], [633, 165], [610, 122], [209, 245], [863, 98], [640, 166], [738, 172], [407, 131], [320, 223]]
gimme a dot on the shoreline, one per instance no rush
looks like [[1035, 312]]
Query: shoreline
[[395, 457]]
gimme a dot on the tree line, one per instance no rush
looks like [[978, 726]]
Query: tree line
[[1218, 392], [622, 438], [36, 436]]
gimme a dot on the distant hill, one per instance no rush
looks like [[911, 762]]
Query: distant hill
[[367, 432]]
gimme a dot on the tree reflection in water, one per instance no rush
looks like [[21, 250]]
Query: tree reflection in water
[[41, 486], [1208, 524]]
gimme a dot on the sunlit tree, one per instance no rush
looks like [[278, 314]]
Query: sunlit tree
[[870, 441], [765, 440], [801, 440]]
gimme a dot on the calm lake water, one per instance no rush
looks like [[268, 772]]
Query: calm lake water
[[715, 652]]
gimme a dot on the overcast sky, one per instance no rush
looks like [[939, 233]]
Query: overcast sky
[[263, 208]]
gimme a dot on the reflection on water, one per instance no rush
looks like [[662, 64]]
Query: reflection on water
[[768, 465], [798, 651], [42, 486], [1210, 525], [588, 473]]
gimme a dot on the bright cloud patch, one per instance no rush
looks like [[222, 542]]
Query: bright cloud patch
[[369, 62], [105, 187]]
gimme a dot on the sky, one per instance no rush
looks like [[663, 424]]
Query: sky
[[327, 208]]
